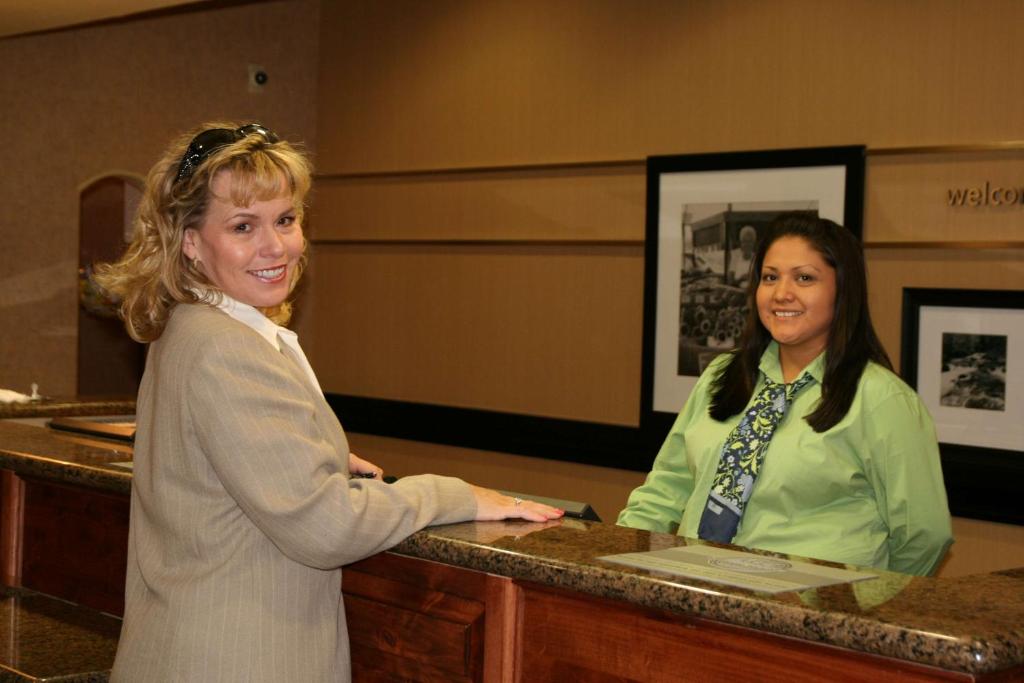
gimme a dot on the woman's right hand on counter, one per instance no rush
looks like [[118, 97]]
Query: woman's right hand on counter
[[491, 506]]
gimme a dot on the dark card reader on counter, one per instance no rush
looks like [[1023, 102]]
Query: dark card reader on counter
[[120, 427], [573, 509]]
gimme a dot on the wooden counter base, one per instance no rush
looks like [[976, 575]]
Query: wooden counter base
[[412, 619]]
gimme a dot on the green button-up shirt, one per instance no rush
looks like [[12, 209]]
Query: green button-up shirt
[[868, 491]]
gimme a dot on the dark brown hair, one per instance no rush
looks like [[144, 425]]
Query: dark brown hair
[[852, 341]]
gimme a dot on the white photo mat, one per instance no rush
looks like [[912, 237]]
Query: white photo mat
[[1003, 429], [823, 185]]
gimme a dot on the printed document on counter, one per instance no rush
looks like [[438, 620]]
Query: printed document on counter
[[765, 573]]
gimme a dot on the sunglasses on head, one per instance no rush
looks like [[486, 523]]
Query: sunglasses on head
[[209, 141]]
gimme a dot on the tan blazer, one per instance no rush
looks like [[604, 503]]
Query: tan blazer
[[242, 512]]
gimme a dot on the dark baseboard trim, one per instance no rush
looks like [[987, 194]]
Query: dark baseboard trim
[[983, 483], [589, 443]]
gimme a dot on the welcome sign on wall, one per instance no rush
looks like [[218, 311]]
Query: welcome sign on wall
[[938, 195]]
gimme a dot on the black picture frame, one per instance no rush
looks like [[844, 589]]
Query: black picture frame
[[707, 201], [981, 444]]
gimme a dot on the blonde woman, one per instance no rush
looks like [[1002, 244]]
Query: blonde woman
[[244, 504]]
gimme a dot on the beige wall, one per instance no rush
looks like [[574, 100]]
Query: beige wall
[[81, 103], [518, 288], [469, 83]]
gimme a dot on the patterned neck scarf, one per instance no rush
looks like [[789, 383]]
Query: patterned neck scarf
[[741, 460]]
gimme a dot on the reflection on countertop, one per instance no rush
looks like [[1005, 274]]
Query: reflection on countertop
[[46, 639]]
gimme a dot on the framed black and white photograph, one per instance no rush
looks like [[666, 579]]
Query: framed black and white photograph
[[705, 215], [963, 351]]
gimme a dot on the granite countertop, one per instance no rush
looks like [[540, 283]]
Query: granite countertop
[[65, 457], [973, 624], [51, 407], [87, 639]]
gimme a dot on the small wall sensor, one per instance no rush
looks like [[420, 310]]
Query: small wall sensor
[[257, 78]]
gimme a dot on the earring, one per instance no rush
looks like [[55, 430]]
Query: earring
[[195, 263]]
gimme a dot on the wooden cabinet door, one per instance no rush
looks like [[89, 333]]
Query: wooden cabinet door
[[415, 620], [75, 544]]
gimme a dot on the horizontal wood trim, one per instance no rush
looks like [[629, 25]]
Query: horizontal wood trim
[[971, 245], [482, 242], [602, 202], [1007, 146], [476, 170], [1004, 146]]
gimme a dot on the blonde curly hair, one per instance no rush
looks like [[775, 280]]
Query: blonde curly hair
[[154, 275]]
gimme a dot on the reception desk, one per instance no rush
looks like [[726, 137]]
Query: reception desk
[[517, 601]]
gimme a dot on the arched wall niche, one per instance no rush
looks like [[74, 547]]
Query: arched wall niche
[[110, 363]]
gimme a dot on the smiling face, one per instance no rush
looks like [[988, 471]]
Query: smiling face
[[796, 298], [249, 252]]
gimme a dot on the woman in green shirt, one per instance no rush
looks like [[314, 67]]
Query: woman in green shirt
[[802, 440]]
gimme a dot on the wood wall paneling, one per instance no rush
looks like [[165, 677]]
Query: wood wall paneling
[[534, 329], [532, 310], [908, 197], [409, 85], [95, 100], [984, 547], [510, 290], [890, 270], [589, 203], [604, 488]]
